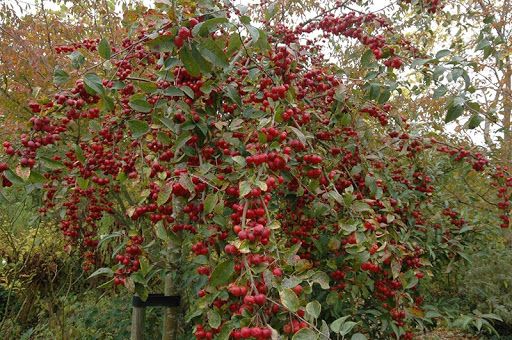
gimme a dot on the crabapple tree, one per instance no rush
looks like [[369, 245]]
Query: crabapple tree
[[278, 195]]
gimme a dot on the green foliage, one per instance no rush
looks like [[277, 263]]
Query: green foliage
[[486, 282], [93, 317], [474, 294], [304, 201]]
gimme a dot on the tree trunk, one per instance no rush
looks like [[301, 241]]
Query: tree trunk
[[507, 110], [170, 314]]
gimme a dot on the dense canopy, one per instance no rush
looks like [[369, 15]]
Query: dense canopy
[[290, 172]]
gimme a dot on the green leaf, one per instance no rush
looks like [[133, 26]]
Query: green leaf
[[324, 329], [374, 91], [107, 103], [93, 83], [163, 138], [139, 104], [60, 76], [347, 327], [384, 96], [262, 185], [12, 177], [138, 128], [474, 121], [168, 123], [170, 63], [213, 53], [262, 42], [189, 62], [322, 279], [314, 308], [252, 113], [299, 134], [173, 92], [359, 206], [482, 44], [305, 334], [240, 160], [487, 52], [141, 290], [214, 318], [419, 62], [454, 112], [163, 43], [396, 268], [245, 20], [440, 91], [233, 94], [36, 177], [367, 58], [209, 203], [254, 32], [52, 164], [442, 53], [104, 49], [188, 91], [271, 10], [206, 26], [457, 73], [413, 282], [102, 271], [289, 299], [234, 44], [244, 188], [491, 316], [77, 59], [358, 336], [164, 194], [186, 182], [161, 233], [337, 324], [146, 85], [222, 273], [182, 140], [438, 72], [204, 65], [336, 196], [225, 333]]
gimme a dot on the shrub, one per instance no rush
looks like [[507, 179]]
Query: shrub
[[486, 283], [92, 317]]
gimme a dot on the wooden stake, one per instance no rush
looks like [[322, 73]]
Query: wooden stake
[[137, 332]]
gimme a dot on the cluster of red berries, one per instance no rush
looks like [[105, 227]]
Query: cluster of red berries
[[258, 333], [89, 44], [398, 316], [184, 33], [253, 234], [129, 259], [454, 217], [294, 326], [368, 266], [376, 112], [477, 160], [350, 25], [503, 181]]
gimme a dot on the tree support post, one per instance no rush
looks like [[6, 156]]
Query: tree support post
[[139, 308], [137, 331]]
